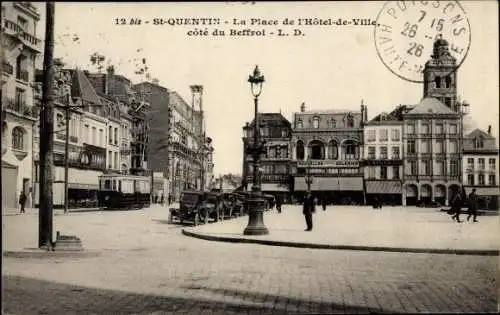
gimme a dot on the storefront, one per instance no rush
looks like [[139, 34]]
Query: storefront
[[487, 197], [336, 190], [385, 191]]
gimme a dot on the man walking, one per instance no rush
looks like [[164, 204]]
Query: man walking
[[472, 205], [22, 200], [308, 210], [278, 203], [456, 206]]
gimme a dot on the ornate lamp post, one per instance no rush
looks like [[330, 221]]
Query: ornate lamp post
[[255, 202]]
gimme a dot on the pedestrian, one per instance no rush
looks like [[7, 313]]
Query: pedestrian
[[162, 200], [472, 210], [169, 199], [323, 203], [456, 206], [22, 200], [278, 203], [308, 210]]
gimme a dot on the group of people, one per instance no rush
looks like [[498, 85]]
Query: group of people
[[457, 203]]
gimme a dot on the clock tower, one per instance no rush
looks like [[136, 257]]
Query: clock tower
[[440, 76]]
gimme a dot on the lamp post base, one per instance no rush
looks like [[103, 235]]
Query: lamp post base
[[256, 216]]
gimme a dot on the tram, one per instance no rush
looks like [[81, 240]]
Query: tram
[[118, 191]]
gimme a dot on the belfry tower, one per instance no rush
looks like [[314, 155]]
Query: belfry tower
[[440, 76]]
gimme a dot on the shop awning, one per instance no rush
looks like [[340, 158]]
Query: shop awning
[[383, 187], [330, 184], [271, 187], [483, 191]]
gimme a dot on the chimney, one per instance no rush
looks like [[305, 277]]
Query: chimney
[[489, 130], [364, 112], [303, 107]]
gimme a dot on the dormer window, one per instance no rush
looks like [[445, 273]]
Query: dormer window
[[299, 123], [383, 117], [479, 143], [316, 122], [333, 123], [350, 121]]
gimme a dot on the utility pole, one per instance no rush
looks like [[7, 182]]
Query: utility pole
[[66, 152], [46, 134]]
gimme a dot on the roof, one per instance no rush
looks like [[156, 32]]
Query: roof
[[271, 117], [395, 115], [430, 105], [81, 87], [479, 133], [330, 111]]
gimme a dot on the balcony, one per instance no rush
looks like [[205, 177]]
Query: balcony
[[7, 67], [17, 31], [19, 108]]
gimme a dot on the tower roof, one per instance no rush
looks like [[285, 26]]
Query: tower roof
[[81, 87], [430, 105]]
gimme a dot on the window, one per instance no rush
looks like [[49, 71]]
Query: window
[[395, 153], [59, 121], [110, 159], [18, 138], [470, 179], [492, 180], [439, 146], [383, 134], [371, 152], [492, 164], [383, 153], [349, 150], [370, 136], [395, 136], [410, 129], [333, 123], [439, 170], [94, 135], [439, 129], [480, 179], [447, 82], [22, 21], [299, 123], [350, 121], [20, 99], [333, 152], [411, 148], [107, 184], [101, 137], [383, 172], [395, 172], [425, 146], [271, 152], [426, 129], [116, 136], [453, 129], [470, 163], [86, 132], [21, 68], [479, 143], [454, 171], [300, 150], [437, 82], [453, 146], [413, 167], [481, 163], [371, 172], [316, 122], [426, 168], [284, 133], [110, 135], [116, 160]]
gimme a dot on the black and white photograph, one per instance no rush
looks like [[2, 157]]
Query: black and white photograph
[[250, 157]]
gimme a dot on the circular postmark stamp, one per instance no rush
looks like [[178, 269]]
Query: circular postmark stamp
[[406, 33]]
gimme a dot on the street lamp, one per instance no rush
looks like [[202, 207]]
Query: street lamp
[[255, 202]]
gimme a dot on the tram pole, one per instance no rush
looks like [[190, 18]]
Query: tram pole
[[46, 134], [66, 152]]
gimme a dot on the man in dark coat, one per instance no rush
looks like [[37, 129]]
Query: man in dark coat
[[456, 206], [22, 200], [278, 203], [308, 210], [472, 205]]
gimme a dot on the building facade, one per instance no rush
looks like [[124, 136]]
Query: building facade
[[275, 163], [382, 157], [328, 145], [20, 47], [480, 167]]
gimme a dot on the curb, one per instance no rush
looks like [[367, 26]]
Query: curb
[[41, 253], [208, 237]]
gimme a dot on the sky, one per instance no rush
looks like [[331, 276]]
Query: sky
[[329, 67]]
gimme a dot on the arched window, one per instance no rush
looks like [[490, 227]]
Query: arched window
[[437, 82], [333, 150], [316, 122], [21, 66], [18, 138], [300, 150], [350, 150], [317, 150], [448, 82]]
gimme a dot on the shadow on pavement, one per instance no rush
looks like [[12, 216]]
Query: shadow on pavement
[[30, 296]]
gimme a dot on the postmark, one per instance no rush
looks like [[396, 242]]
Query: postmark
[[405, 33]]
